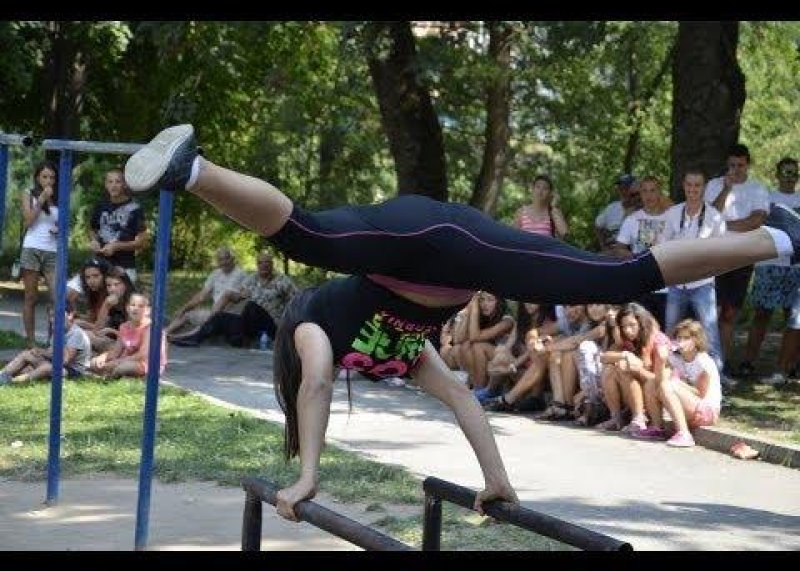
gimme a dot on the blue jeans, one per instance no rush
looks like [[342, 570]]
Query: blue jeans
[[703, 301]]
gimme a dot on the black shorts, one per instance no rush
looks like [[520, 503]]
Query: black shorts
[[732, 287]]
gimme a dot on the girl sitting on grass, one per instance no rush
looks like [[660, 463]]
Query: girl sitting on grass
[[128, 357]]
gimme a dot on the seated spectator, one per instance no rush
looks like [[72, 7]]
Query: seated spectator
[[641, 354], [263, 297], [487, 325], [37, 363], [226, 277], [689, 388], [589, 324], [543, 215], [129, 355], [118, 291], [448, 349], [513, 359], [570, 320], [93, 293], [589, 403]]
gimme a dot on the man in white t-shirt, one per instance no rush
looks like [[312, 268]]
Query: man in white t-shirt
[[744, 204], [695, 219], [608, 222], [227, 276], [642, 230]]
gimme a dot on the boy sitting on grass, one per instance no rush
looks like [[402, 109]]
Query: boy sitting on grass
[[37, 363]]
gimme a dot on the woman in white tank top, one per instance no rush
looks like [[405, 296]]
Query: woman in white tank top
[[38, 255]]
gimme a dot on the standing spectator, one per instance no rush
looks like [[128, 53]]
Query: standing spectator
[[774, 285], [543, 215], [695, 219], [640, 231], [744, 204], [225, 277], [608, 222], [264, 294], [38, 256], [117, 227], [37, 363]]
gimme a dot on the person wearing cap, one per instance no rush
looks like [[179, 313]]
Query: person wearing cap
[[608, 222]]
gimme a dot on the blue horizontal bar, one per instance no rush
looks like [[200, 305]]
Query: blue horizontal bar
[[91, 146], [9, 139]]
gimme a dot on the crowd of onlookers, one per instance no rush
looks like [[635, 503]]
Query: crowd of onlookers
[[107, 318], [667, 355]]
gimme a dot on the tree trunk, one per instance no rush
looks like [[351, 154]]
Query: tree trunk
[[407, 114], [498, 130], [64, 81], [708, 97]]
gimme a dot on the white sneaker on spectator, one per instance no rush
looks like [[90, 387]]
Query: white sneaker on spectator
[[777, 379]]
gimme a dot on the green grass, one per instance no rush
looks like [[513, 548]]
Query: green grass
[[11, 340], [764, 411], [197, 441]]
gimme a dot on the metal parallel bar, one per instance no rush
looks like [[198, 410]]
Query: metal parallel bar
[[91, 146], [54, 458], [11, 139], [432, 524], [251, 523], [325, 519], [542, 524], [165, 209]]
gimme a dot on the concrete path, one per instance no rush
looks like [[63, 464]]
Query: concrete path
[[655, 497]]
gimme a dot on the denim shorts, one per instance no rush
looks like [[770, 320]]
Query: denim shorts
[[34, 259]]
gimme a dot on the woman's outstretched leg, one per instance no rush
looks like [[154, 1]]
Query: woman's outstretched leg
[[420, 240]]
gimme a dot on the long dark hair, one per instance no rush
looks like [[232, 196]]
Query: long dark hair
[[527, 321], [119, 313], [646, 325], [94, 298], [288, 372], [37, 189]]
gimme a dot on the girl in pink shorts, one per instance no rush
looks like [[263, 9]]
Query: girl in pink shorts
[[693, 395]]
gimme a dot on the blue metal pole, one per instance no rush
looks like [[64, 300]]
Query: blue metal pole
[[165, 207], [64, 188], [3, 188]]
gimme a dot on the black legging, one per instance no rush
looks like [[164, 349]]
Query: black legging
[[421, 240]]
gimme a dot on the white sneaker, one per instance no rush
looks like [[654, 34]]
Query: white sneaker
[[165, 161], [777, 379]]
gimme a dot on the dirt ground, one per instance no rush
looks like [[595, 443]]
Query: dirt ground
[[99, 514]]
